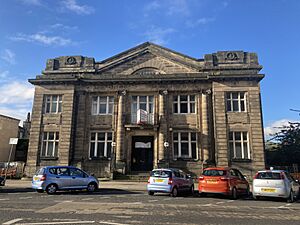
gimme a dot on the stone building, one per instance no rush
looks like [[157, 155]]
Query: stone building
[[9, 128], [148, 107]]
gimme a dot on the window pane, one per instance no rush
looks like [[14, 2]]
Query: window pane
[[101, 136], [53, 108], [50, 149], [231, 149], [243, 106], [51, 135], [103, 99], [192, 98], [175, 107], [57, 136], [237, 136], [242, 94], [183, 108], [175, 149], [150, 108], [111, 99], [44, 149], [235, 106], [175, 136], [94, 105], [184, 149], [234, 95], [92, 149], [56, 150], [134, 98], [230, 135], [134, 108], [102, 109], [238, 150], [246, 151], [228, 96], [48, 107], [93, 136], [100, 149], [151, 99], [111, 108], [143, 98], [54, 98], [143, 106], [192, 108], [184, 136], [245, 138], [175, 98], [229, 105], [59, 107], [193, 136], [183, 98], [108, 154], [194, 154], [109, 136], [45, 136]]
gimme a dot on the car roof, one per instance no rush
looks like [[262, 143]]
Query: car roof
[[275, 171], [218, 168], [167, 169], [48, 167]]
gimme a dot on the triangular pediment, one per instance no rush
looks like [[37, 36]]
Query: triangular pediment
[[149, 58]]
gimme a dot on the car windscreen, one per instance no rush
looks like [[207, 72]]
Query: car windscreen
[[214, 173], [161, 173], [40, 172], [268, 175]]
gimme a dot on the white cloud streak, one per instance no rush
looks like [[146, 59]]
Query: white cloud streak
[[276, 127], [73, 6], [158, 35], [8, 56], [199, 22], [16, 92], [43, 39]]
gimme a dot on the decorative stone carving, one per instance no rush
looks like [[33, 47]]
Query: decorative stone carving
[[231, 56], [71, 61]]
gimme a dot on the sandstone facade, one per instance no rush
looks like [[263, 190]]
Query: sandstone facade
[[195, 112]]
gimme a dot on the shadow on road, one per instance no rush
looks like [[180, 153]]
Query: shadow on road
[[15, 190]]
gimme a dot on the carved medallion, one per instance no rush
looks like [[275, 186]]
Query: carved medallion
[[231, 56], [71, 61]]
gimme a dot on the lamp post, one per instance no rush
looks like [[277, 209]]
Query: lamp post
[[12, 142], [166, 145]]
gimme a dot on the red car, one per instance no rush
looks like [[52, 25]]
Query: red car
[[223, 180]]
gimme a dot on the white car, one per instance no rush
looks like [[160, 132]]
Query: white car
[[275, 183]]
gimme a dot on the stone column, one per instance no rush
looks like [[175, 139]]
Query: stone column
[[162, 126], [205, 127], [120, 129]]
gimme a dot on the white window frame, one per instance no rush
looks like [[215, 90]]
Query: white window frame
[[189, 141], [242, 142], [55, 142], [189, 103], [138, 102], [96, 141], [49, 100], [109, 102], [239, 100]]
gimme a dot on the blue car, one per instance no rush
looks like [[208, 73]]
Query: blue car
[[169, 181], [54, 178]]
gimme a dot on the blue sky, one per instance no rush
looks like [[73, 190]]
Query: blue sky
[[31, 31]]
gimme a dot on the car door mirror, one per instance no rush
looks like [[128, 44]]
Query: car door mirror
[[188, 176]]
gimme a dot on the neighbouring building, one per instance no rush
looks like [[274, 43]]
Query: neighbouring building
[[9, 128], [148, 107]]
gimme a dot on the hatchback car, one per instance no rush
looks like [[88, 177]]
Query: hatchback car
[[223, 180], [54, 178], [275, 183], [169, 181]]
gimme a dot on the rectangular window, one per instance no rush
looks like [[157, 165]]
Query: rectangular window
[[53, 103], [50, 144], [142, 102], [100, 144], [239, 145], [184, 104], [185, 145], [236, 101], [102, 105]]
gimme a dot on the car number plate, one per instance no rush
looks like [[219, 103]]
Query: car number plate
[[268, 190], [159, 180], [212, 181], [36, 178]]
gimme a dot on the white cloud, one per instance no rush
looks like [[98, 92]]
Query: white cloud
[[60, 26], [198, 22], [158, 35], [276, 127], [16, 93], [43, 39], [152, 6], [73, 6], [8, 56], [176, 7]]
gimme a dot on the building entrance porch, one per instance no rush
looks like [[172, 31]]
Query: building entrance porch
[[142, 153]]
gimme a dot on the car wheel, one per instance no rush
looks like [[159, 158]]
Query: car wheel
[[234, 194], [150, 192], [39, 190], [174, 192], [51, 189], [192, 190], [256, 197], [202, 194], [91, 187], [290, 199]]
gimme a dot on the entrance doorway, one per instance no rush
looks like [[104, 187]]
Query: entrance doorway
[[142, 153]]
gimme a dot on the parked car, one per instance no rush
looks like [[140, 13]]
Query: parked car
[[2, 181], [170, 181], [223, 180], [275, 183], [54, 178]]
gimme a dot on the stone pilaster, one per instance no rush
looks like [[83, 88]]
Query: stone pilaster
[[205, 127], [162, 126], [120, 130]]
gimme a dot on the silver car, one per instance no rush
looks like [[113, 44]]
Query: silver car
[[275, 183], [54, 178], [169, 181]]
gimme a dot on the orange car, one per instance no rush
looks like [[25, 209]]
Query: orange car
[[223, 180]]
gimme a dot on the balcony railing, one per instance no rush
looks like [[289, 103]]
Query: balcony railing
[[150, 119]]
